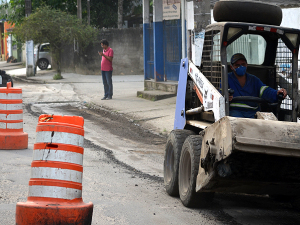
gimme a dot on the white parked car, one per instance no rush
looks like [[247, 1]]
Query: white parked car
[[44, 56]]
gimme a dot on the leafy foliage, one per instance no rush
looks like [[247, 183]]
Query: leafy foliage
[[57, 28], [16, 8], [57, 77], [104, 13]]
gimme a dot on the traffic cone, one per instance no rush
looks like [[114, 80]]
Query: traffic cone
[[11, 119], [55, 187]]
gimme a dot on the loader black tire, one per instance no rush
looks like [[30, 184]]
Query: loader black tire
[[296, 202], [282, 198], [171, 159], [188, 171], [247, 11]]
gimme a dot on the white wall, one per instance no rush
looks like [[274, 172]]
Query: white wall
[[291, 18]]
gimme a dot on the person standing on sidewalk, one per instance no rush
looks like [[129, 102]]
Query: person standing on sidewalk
[[107, 69]]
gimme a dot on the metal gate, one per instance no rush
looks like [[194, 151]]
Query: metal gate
[[149, 53], [211, 66], [172, 48], [284, 78]]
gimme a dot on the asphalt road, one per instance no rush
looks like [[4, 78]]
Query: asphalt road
[[123, 168]]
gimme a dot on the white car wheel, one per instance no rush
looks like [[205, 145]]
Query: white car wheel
[[43, 64]]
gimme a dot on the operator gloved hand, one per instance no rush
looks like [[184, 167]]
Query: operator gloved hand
[[283, 92], [230, 91]]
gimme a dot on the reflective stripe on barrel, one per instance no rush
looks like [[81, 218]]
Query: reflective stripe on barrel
[[8, 105], [59, 156], [54, 192], [8, 117], [11, 95], [59, 137]]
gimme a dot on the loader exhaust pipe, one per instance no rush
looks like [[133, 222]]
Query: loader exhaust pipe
[[194, 111]]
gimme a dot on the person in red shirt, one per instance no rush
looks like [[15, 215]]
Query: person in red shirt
[[106, 69]]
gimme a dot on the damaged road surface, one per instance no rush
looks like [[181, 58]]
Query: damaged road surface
[[123, 174]]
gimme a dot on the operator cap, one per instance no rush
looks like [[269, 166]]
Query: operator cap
[[237, 57]]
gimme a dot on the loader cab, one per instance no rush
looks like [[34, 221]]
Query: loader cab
[[271, 53]]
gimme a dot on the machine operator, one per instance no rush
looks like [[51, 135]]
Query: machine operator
[[245, 84]]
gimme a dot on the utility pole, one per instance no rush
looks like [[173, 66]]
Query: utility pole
[[29, 46], [88, 12], [79, 16], [120, 14], [79, 9]]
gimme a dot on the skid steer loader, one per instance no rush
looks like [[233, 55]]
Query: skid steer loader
[[208, 151]]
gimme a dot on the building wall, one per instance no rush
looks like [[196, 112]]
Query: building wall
[[128, 53], [23, 54], [7, 26]]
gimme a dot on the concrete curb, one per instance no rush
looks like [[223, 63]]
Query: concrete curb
[[24, 79]]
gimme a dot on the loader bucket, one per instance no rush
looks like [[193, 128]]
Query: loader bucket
[[252, 156]]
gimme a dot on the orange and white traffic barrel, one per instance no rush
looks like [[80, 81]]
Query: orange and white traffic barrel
[[11, 119], [55, 187]]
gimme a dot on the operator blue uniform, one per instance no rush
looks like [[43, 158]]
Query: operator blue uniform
[[253, 87]]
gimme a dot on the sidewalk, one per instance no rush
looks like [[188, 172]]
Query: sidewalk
[[157, 116], [5, 66]]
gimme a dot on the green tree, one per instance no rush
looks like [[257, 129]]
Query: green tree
[[104, 13], [16, 8], [56, 27]]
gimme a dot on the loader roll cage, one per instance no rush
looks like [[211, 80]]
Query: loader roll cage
[[271, 52]]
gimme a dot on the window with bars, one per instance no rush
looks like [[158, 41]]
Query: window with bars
[[284, 77], [171, 41], [211, 58]]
